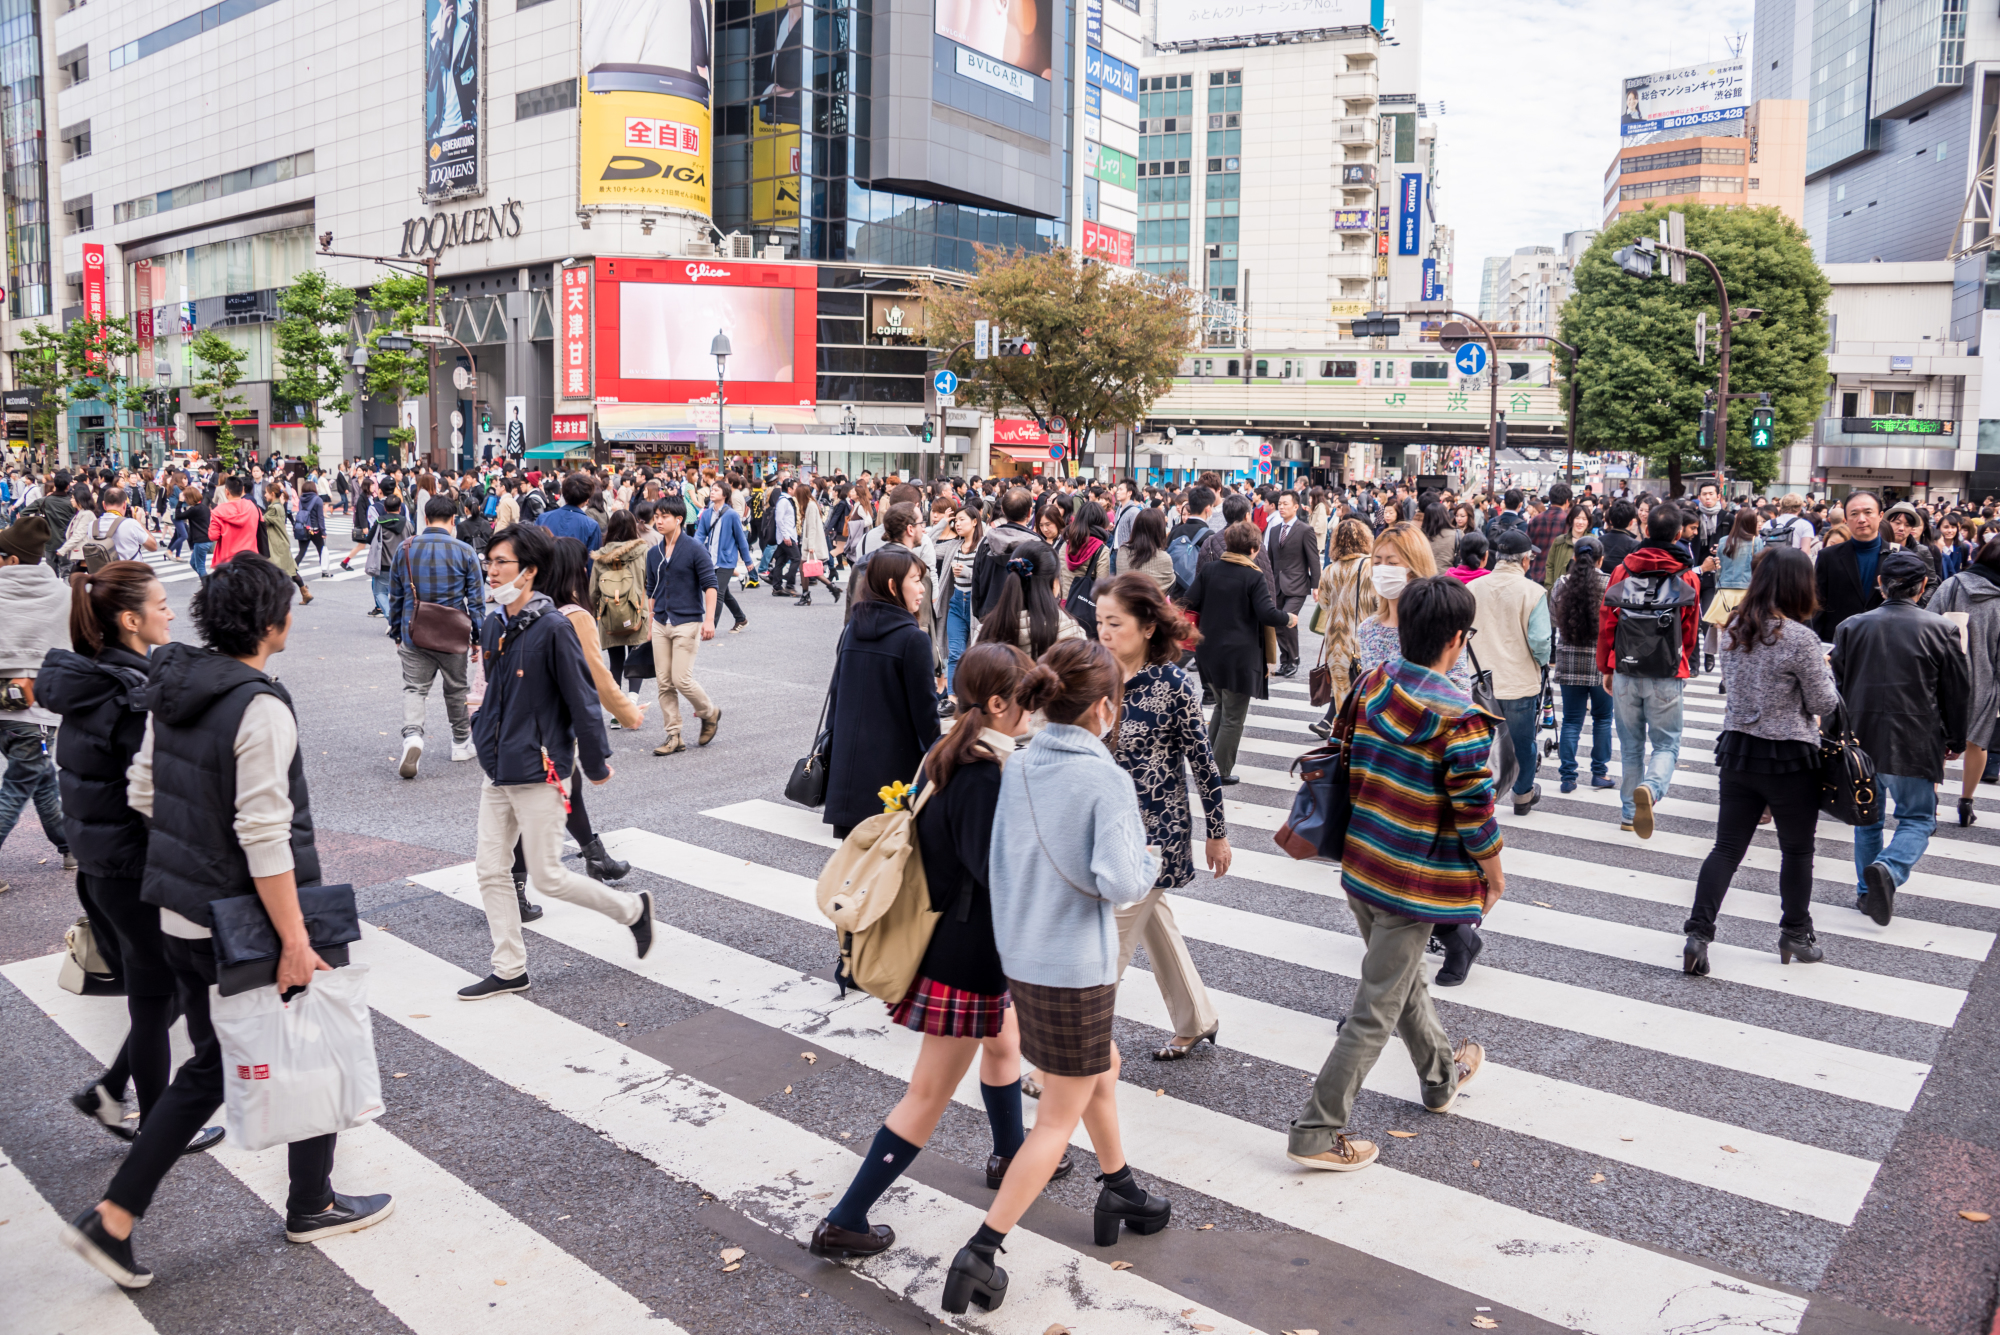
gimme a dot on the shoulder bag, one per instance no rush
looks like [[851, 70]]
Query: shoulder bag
[[247, 946], [1506, 765], [1324, 804], [1320, 680], [1848, 790], [434, 626], [807, 786]]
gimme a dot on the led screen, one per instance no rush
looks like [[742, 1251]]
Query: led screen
[[665, 331]]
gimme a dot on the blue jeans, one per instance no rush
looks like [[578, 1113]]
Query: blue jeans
[[1579, 701], [1916, 817], [764, 561], [957, 630], [379, 586], [31, 777], [1646, 709], [198, 554], [1523, 717], [179, 538]]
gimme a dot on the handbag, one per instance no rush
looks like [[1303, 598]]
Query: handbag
[[1324, 804], [1848, 790], [813, 569], [1502, 760], [84, 970], [1320, 680], [434, 626], [807, 785], [247, 945]]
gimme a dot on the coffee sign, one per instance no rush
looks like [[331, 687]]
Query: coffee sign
[[895, 320]]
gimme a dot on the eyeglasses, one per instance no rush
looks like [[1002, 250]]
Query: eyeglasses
[[498, 561]]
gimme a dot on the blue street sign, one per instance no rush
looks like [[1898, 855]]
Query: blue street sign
[[946, 382], [1055, 451], [1471, 358]]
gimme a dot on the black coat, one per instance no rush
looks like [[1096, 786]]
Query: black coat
[[1234, 604], [954, 832], [539, 697], [883, 711], [1618, 545], [1907, 686], [1837, 579], [103, 704]]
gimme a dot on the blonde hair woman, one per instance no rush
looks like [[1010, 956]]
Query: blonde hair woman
[[1401, 554], [1346, 597]]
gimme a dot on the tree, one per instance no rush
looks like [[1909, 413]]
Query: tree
[[398, 301], [220, 369], [1105, 344], [309, 340], [1641, 386], [79, 363]]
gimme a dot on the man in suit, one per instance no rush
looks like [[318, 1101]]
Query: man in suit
[[1845, 574], [1294, 554]]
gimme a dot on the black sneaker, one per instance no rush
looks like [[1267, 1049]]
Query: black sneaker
[[85, 1236], [1880, 901], [97, 1104], [493, 985], [347, 1214], [642, 927]]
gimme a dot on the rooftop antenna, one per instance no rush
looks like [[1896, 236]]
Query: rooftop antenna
[[1735, 43]]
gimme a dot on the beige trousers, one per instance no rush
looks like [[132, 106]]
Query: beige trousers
[[1151, 920], [533, 814], [673, 666]]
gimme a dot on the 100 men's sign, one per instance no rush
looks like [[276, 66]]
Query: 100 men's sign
[[441, 231]]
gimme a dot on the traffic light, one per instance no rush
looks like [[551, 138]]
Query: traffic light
[[485, 419], [1635, 261], [1763, 426], [1377, 325], [1017, 347], [930, 431], [1707, 437]]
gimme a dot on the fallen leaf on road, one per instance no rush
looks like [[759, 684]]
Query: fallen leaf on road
[[1404, 1135], [1624, 1137], [420, 1017], [1597, 1177], [847, 1135], [1540, 905], [501, 1282], [788, 1089], [1188, 1312], [623, 1025], [821, 1195], [1302, 1330], [1196, 1325], [131, 1117], [1159, 1093], [1057, 1329], [732, 1253], [1121, 1265], [399, 1075], [1976, 1216], [810, 1057], [1204, 1228], [1485, 1322], [1475, 1163], [1731, 1149], [732, 1267], [561, 1217]]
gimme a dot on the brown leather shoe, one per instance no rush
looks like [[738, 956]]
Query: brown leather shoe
[[996, 1169], [829, 1240], [708, 726], [673, 746]]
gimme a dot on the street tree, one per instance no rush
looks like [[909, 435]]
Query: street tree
[[81, 363], [1641, 387], [218, 370], [1103, 344], [398, 303], [309, 341]]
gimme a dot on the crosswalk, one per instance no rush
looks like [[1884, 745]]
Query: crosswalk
[[339, 541], [1698, 1146]]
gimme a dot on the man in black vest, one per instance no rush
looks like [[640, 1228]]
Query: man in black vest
[[231, 818]]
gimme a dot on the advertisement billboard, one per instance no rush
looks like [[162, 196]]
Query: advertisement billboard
[[1695, 95], [1431, 290], [1111, 166], [1354, 220], [93, 288], [1016, 33], [1093, 22], [1216, 21], [454, 43], [1107, 244], [1111, 74], [573, 336], [1409, 213], [644, 123], [777, 43], [656, 319]]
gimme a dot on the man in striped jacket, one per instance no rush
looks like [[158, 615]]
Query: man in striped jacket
[[1422, 849]]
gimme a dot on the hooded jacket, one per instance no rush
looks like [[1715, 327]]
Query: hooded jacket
[[102, 701], [1975, 591], [989, 563], [1650, 558], [881, 709], [1422, 791], [539, 699], [232, 527], [34, 619]]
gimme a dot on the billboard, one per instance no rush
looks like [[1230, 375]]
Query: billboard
[[656, 318], [777, 43], [1432, 290], [1107, 244], [1111, 166], [1674, 99], [1409, 213], [1111, 74], [573, 334], [644, 123], [1016, 33], [1224, 20], [454, 41]]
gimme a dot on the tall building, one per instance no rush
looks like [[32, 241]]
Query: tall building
[[1758, 161]]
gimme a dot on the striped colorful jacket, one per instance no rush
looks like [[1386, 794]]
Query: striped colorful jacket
[[1423, 796]]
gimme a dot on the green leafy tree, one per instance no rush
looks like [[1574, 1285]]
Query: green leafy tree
[[1106, 344], [1641, 388], [39, 365], [82, 363], [309, 341], [398, 303], [218, 371]]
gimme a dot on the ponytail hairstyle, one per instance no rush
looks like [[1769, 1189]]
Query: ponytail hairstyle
[[1138, 596], [97, 600], [1069, 679], [985, 670], [1028, 588]]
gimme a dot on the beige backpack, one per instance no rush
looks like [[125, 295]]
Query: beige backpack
[[874, 891]]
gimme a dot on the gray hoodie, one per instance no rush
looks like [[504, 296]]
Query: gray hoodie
[[34, 618]]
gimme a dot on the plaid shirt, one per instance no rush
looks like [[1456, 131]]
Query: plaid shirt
[[443, 570], [1543, 530]]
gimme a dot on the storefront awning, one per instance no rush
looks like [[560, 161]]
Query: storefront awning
[[558, 450], [1027, 453], [676, 421]]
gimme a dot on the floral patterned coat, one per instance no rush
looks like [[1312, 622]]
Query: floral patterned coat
[[1160, 735]]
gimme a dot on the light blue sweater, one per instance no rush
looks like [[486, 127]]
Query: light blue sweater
[[1048, 933]]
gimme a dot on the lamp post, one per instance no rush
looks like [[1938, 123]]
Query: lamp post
[[719, 349]]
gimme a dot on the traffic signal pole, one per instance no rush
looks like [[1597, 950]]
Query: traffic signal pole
[[1722, 364], [1485, 336]]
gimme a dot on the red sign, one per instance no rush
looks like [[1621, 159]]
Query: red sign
[[1021, 431], [570, 426], [1381, 243], [142, 303], [573, 375], [656, 321], [93, 288], [1107, 244]]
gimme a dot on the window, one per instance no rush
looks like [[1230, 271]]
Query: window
[[1683, 185], [82, 216], [1263, 368], [1850, 405], [528, 4], [246, 178], [1895, 402], [76, 141], [542, 101], [1430, 370], [1518, 370], [1338, 370], [75, 66], [182, 30], [1235, 367]]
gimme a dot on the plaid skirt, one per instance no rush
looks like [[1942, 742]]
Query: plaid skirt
[[948, 1012], [1065, 1030]]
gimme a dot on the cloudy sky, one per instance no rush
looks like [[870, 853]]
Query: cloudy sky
[[1530, 95]]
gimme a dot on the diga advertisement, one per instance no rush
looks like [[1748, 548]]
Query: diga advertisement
[[644, 136]]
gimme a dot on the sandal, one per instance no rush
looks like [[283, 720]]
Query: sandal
[[1181, 1047], [1031, 1088]]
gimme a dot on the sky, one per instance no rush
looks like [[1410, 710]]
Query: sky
[[1530, 96]]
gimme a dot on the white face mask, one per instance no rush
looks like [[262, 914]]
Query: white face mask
[[504, 596], [1389, 581]]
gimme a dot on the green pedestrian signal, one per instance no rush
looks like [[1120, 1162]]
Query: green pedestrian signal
[[930, 432], [486, 419], [1763, 427]]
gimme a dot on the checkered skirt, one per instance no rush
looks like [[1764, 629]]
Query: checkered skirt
[[949, 1012], [1065, 1030]]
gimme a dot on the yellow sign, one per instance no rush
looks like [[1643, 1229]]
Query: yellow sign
[[774, 165], [777, 76], [1349, 310], [644, 148]]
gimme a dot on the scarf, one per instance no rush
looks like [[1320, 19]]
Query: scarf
[[1078, 561], [1242, 560]]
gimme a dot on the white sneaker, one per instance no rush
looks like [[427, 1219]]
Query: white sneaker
[[413, 751], [463, 750]]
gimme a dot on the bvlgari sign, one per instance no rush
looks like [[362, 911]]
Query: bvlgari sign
[[441, 231]]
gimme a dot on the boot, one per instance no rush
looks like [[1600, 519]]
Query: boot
[[1149, 1214], [305, 594], [1694, 956], [600, 865], [1461, 948], [1707, 664], [805, 599], [1805, 949], [529, 912], [975, 1277], [833, 590]]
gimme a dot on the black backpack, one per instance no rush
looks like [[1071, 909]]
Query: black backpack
[[1647, 642], [1082, 601]]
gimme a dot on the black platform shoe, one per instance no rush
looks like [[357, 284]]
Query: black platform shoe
[[974, 1277], [1142, 1217]]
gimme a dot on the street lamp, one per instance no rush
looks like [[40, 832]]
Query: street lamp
[[719, 349]]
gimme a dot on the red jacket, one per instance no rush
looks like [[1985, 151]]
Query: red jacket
[[1651, 558], [232, 527]]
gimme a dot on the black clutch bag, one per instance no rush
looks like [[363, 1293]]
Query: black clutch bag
[[247, 946]]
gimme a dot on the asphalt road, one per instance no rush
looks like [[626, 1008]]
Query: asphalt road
[[1767, 1149]]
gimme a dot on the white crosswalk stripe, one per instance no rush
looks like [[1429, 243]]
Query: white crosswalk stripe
[[339, 540], [47, 1288]]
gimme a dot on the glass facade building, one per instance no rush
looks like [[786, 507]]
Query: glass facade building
[[26, 179], [1838, 125]]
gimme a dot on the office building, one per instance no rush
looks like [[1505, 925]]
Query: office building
[[1757, 161]]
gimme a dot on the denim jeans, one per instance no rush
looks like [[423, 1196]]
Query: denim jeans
[[31, 777], [1524, 715], [1646, 709], [179, 539], [1916, 817], [380, 586], [198, 554], [1579, 701], [957, 630]]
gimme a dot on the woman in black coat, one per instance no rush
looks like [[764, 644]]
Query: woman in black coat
[[883, 702], [1234, 604], [116, 618]]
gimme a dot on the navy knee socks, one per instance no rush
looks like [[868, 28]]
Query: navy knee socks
[[880, 1167], [1003, 1114]]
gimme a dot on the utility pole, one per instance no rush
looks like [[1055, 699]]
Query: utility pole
[[1480, 333], [400, 263]]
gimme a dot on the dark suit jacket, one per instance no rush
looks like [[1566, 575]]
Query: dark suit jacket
[[1907, 686], [1837, 579], [1294, 559]]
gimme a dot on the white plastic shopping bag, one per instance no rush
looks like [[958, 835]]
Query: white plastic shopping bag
[[298, 1070]]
